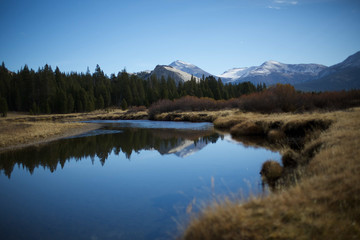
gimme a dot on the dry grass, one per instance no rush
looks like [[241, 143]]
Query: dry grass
[[198, 116], [20, 134], [247, 128], [325, 204], [271, 171], [21, 129]]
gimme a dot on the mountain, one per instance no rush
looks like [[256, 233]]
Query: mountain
[[168, 71], [189, 68], [306, 77], [341, 76], [272, 72], [183, 148], [236, 73]]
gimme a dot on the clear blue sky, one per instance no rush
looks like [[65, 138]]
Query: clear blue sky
[[139, 34]]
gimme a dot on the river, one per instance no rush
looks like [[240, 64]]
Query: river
[[127, 180]]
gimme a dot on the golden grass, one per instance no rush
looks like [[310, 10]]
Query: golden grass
[[271, 171], [325, 204], [198, 116], [247, 128], [20, 134], [21, 129]]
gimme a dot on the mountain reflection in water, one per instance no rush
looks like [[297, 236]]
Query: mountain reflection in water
[[117, 137]]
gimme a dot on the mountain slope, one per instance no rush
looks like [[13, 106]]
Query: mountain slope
[[341, 76], [168, 71], [189, 68], [272, 72]]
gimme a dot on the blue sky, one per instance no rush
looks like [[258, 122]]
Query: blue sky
[[138, 34]]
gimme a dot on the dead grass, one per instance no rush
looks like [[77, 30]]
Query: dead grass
[[247, 128], [20, 134], [325, 204], [198, 116], [19, 130]]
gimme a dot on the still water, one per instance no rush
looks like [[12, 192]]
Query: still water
[[127, 180]]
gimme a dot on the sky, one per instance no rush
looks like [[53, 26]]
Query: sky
[[215, 35]]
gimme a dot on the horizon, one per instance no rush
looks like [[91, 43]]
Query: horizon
[[138, 35]]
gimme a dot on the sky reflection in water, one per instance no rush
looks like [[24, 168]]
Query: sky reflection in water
[[125, 181]]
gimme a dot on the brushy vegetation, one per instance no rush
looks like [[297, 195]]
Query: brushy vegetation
[[276, 99], [324, 204]]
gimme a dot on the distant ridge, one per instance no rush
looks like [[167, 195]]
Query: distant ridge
[[341, 76], [305, 77]]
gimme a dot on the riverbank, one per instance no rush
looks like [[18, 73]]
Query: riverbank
[[323, 202], [20, 130]]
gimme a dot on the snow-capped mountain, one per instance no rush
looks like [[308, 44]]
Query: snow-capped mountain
[[309, 77], [236, 73], [272, 72], [189, 68], [168, 71], [183, 148]]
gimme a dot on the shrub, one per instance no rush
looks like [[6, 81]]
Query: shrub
[[271, 171], [135, 109], [278, 98]]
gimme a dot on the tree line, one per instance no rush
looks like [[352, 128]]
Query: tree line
[[48, 91]]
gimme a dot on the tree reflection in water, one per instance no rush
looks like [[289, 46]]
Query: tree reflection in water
[[101, 143]]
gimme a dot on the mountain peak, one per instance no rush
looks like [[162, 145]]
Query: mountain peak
[[179, 62], [272, 62], [189, 68]]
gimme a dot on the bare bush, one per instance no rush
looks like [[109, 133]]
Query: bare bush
[[279, 98]]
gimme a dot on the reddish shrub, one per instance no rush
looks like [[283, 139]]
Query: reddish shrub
[[279, 98]]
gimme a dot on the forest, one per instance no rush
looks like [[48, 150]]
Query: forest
[[48, 91]]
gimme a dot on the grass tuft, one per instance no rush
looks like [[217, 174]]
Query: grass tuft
[[247, 129], [271, 171]]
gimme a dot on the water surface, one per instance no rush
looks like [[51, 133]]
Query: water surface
[[128, 180]]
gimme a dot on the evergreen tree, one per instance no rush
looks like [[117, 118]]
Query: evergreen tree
[[100, 102], [3, 107], [124, 104]]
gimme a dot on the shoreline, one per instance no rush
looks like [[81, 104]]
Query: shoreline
[[68, 131]]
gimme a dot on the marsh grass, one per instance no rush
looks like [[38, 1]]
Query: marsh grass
[[322, 203]]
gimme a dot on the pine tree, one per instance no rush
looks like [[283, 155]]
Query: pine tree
[[3, 107], [100, 102], [124, 104]]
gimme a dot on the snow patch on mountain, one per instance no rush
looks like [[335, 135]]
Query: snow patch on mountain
[[184, 75], [189, 68], [236, 73], [168, 71]]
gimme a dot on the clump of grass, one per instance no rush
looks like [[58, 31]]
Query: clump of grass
[[247, 129], [276, 136], [271, 171], [290, 159]]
